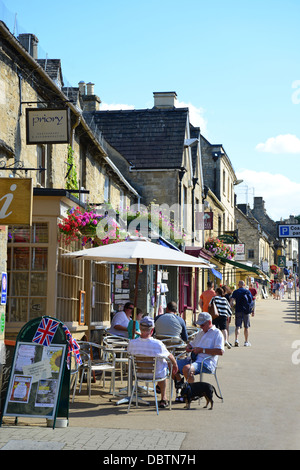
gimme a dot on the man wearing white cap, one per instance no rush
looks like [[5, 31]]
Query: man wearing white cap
[[209, 343], [148, 346]]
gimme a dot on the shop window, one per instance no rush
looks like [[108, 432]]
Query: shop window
[[187, 287], [27, 263], [70, 281]]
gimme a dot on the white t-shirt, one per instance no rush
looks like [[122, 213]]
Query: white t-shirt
[[212, 339], [151, 347], [120, 318]]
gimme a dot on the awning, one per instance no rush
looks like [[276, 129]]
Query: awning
[[203, 254], [244, 267], [216, 273], [162, 241]]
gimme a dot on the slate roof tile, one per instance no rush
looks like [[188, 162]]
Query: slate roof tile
[[149, 138]]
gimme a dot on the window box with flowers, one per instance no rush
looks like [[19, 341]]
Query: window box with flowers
[[218, 247]]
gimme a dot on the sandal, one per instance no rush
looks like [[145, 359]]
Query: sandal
[[163, 404]]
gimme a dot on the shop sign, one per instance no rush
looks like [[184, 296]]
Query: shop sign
[[16, 201], [3, 288], [47, 126]]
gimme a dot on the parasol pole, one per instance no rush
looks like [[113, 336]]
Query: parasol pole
[[137, 272]]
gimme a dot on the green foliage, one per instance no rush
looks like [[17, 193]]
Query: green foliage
[[72, 182]]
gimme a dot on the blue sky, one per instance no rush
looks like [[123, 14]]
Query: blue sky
[[235, 63]]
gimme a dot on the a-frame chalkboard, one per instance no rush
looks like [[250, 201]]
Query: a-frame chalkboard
[[39, 384]]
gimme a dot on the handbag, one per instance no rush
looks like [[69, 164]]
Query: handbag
[[213, 310]]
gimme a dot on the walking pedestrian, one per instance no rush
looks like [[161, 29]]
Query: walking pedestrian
[[224, 311], [206, 297], [243, 308]]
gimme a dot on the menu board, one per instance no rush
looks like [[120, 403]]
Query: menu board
[[35, 380]]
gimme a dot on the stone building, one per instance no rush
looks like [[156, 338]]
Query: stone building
[[219, 179], [41, 282], [164, 156], [258, 245]]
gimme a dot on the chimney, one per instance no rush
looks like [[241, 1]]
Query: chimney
[[90, 88], [30, 43], [90, 100], [164, 99], [81, 86]]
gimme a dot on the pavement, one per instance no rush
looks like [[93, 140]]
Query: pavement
[[261, 408]]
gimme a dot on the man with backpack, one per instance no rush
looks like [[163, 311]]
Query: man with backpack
[[243, 308]]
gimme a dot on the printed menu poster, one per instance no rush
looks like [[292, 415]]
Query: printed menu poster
[[20, 389]]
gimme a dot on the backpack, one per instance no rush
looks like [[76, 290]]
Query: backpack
[[246, 302]]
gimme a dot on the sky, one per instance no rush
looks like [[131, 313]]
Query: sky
[[234, 63]]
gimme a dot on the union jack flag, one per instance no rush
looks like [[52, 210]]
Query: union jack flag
[[45, 332], [73, 347]]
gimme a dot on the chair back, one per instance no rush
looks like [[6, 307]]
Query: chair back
[[144, 367]]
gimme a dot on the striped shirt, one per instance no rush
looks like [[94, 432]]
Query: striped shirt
[[222, 305]]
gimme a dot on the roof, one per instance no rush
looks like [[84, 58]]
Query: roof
[[147, 138], [53, 69]]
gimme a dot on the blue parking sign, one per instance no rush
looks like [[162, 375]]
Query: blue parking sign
[[284, 230], [3, 288]]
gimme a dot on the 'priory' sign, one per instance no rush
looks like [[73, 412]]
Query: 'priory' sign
[[16, 201], [47, 126]]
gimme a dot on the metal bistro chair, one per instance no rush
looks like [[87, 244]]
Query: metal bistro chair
[[74, 372], [118, 342], [192, 331], [181, 356], [211, 373], [144, 370], [91, 365], [175, 345]]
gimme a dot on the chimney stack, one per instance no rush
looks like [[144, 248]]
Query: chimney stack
[[30, 43], [90, 100], [81, 86], [164, 99]]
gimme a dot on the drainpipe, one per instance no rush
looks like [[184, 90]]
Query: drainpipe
[[195, 181], [181, 174]]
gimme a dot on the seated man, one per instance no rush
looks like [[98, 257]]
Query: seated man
[[208, 342], [148, 346], [171, 324]]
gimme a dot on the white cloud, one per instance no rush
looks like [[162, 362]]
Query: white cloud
[[281, 195], [115, 107], [196, 115], [287, 143]]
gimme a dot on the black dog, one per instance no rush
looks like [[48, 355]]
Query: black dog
[[197, 390]]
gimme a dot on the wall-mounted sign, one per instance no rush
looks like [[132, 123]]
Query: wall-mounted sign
[[47, 126], [204, 220], [16, 201], [3, 288]]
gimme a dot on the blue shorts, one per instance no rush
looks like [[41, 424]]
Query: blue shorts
[[196, 366]]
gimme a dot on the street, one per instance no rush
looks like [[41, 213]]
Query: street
[[260, 385]]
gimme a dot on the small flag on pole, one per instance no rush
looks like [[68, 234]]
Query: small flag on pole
[[45, 332]]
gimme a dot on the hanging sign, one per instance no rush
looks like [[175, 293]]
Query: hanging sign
[[47, 126], [16, 195]]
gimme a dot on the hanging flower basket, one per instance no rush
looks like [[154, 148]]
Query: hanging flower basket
[[274, 269], [218, 247], [82, 226]]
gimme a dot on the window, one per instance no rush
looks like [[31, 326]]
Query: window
[[106, 189], [41, 163], [250, 254], [187, 287], [27, 266]]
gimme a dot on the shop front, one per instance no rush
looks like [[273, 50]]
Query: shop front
[[42, 282]]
